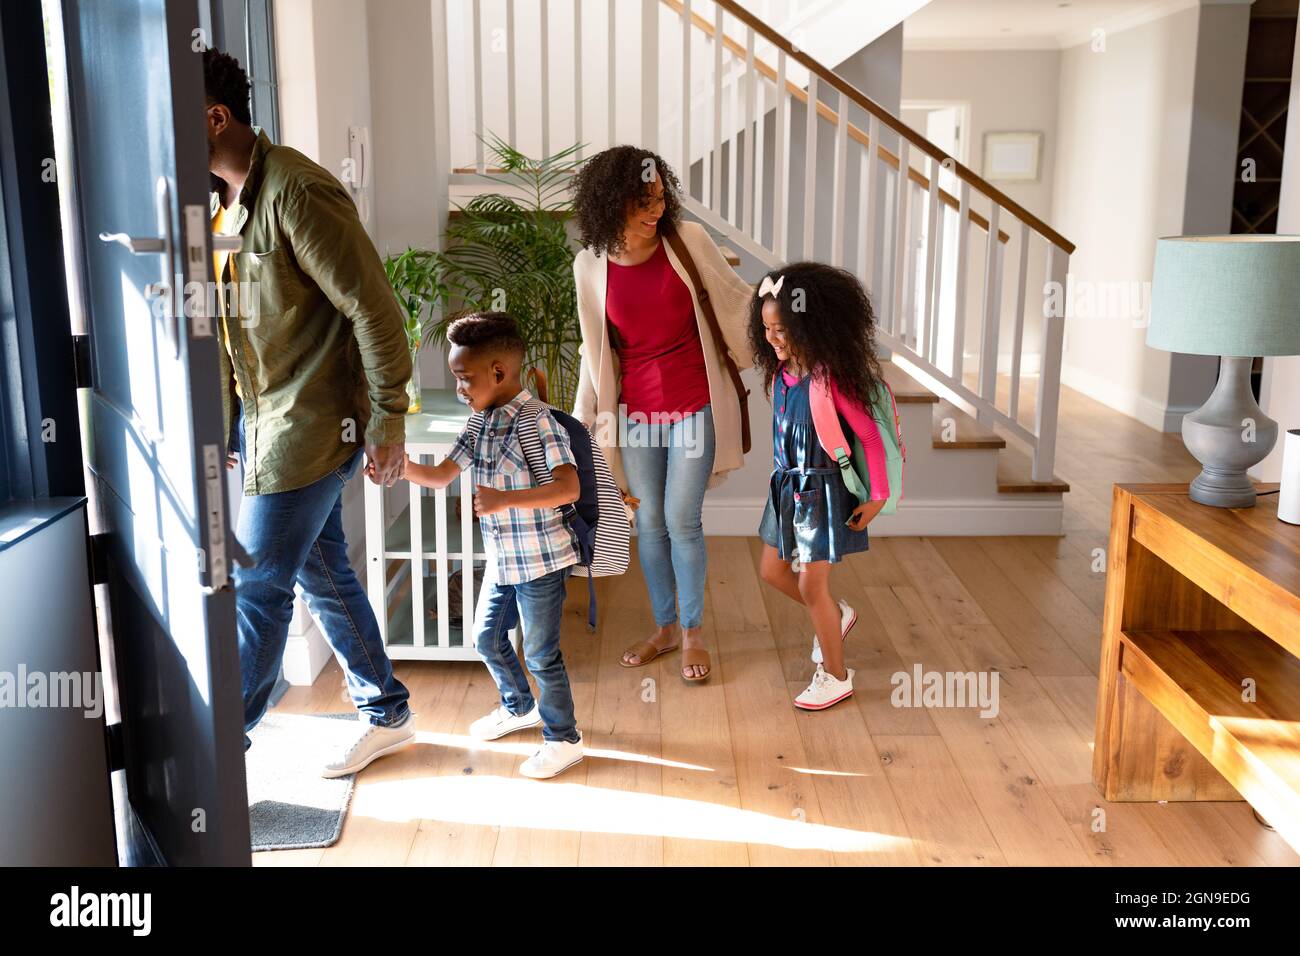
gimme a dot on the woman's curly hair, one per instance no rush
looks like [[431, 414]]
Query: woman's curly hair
[[829, 324], [609, 184]]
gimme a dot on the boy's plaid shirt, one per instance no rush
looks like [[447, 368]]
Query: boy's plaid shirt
[[527, 543]]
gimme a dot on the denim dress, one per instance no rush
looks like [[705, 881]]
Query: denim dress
[[807, 503]]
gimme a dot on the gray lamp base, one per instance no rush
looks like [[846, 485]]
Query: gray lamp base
[[1228, 435]]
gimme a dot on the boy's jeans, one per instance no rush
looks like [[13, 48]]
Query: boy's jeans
[[297, 537], [540, 603]]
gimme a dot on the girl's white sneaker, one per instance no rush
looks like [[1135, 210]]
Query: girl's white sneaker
[[848, 617], [824, 691], [501, 722], [555, 757]]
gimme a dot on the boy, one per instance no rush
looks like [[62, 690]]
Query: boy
[[531, 551]]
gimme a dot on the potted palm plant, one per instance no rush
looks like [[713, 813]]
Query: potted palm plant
[[415, 276], [509, 251]]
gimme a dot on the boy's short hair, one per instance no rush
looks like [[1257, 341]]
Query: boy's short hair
[[494, 333]]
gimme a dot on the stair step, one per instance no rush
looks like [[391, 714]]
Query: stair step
[[967, 431], [729, 254], [907, 390], [1014, 470]]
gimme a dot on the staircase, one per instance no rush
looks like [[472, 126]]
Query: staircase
[[959, 272]]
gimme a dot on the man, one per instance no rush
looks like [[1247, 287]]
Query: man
[[315, 362]]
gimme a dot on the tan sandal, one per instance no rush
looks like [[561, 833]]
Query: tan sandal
[[696, 657], [647, 652]]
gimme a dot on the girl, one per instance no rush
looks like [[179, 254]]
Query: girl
[[811, 321]]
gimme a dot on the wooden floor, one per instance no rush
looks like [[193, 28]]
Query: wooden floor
[[730, 773]]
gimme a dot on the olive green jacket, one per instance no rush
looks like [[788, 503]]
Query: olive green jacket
[[317, 336]]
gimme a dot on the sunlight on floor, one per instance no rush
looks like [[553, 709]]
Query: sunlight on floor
[[506, 802], [462, 742]]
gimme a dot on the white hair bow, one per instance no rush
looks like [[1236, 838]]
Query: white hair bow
[[768, 286]]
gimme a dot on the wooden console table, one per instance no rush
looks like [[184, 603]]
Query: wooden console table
[[1199, 688]]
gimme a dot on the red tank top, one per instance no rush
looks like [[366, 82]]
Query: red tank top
[[662, 360]]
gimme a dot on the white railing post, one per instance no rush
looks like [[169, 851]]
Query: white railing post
[[810, 170], [934, 224], [838, 210], [511, 105], [748, 184], [685, 118], [477, 47], [545, 35], [733, 149], [417, 564], [441, 128], [611, 75], [714, 196], [1047, 406], [990, 321], [868, 204], [897, 319], [1018, 332], [757, 191], [959, 294], [780, 182], [649, 75], [577, 76], [441, 564]]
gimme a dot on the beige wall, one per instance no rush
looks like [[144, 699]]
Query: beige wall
[[1003, 91], [1147, 149]]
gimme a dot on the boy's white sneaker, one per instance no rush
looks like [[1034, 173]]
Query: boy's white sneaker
[[825, 690], [554, 758], [374, 742], [501, 722], [848, 617]]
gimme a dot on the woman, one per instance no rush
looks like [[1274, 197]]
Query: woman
[[653, 385]]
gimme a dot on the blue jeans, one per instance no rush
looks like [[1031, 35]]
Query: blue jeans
[[668, 465], [540, 603], [297, 537]]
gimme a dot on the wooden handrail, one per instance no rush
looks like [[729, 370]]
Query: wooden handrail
[[879, 112]]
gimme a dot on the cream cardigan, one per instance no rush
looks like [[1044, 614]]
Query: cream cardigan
[[598, 380]]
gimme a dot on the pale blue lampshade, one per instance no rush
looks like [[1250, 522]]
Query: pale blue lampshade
[[1226, 295]]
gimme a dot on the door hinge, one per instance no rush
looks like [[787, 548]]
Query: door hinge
[[83, 366], [98, 559], [113, 737]]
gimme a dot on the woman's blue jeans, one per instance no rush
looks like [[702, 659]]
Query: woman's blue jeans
[[296, 537], [668, 464]]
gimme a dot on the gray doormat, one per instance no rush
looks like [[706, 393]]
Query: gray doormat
[[290, 805]]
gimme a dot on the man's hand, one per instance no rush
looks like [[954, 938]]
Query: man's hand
[[488, 501], [863, 514], [386, 463]]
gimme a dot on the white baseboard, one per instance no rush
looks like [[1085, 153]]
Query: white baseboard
[[1027, 514], [305, 652], [1163, 418]]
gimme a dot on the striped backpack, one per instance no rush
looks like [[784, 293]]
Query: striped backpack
[[598, 519]]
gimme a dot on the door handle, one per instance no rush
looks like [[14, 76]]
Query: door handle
[[165, 246]]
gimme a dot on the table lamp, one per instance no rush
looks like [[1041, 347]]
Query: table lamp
[[1235, 297]]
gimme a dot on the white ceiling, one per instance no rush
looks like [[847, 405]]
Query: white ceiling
[[1025, 24]]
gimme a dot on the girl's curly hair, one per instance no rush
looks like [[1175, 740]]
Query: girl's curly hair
[[609, 184], [829, 324]]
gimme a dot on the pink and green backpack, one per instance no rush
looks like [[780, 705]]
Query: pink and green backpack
[[852, 458]]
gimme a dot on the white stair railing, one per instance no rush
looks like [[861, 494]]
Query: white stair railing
[[916, 226]]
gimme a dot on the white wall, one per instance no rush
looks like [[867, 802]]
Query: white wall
[[1148, 134], [1280, 388], [1004, 91]]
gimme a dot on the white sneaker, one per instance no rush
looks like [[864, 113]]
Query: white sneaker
[[824, 690], [501, 722], [553, 759], [848, 617], [374, 742]]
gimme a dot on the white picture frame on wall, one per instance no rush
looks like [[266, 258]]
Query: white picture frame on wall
[[1012, 157]]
